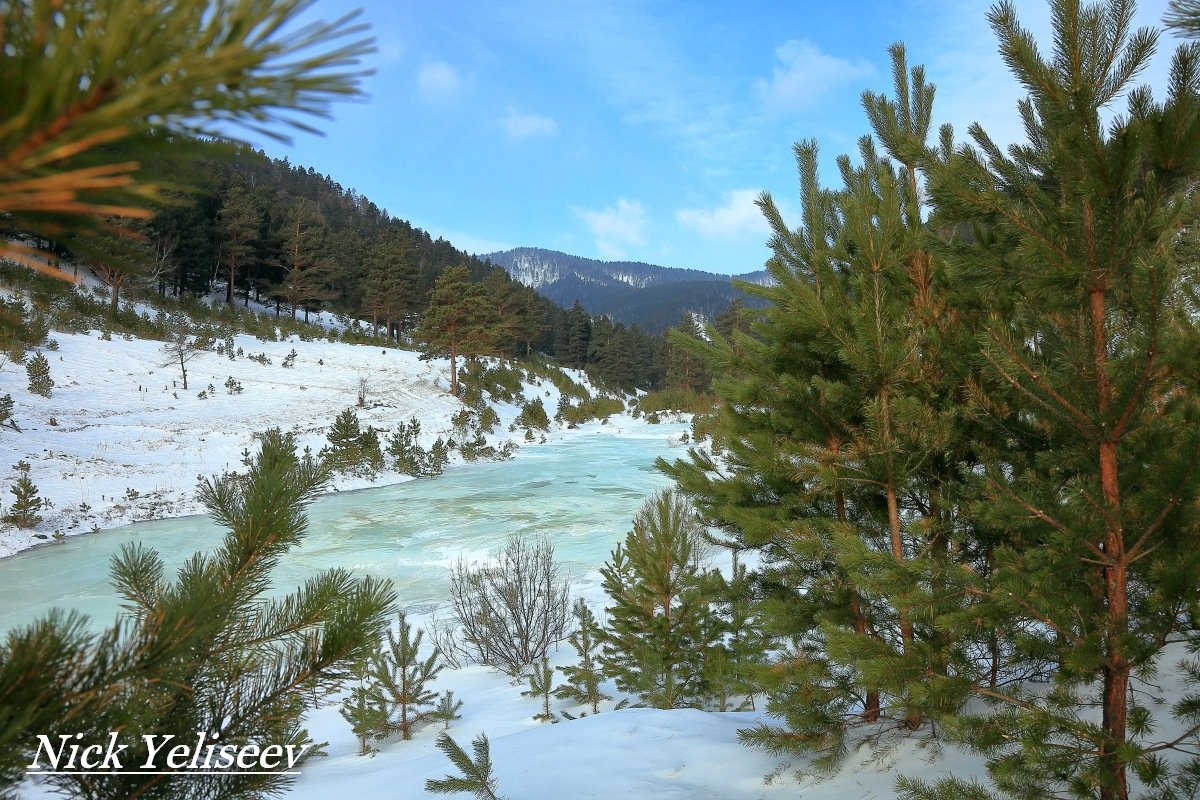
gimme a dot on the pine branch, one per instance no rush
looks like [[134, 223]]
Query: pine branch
[[476, 778]]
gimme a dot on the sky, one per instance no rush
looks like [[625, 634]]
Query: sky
[[640, 131]]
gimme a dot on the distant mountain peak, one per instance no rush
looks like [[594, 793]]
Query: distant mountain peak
[[652, 297]]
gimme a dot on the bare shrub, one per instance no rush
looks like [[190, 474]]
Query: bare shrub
[[513, 609]]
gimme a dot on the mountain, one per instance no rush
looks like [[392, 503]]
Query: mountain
[[652, 297]]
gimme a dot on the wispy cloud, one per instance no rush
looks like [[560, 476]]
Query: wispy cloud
[[616, 227], [803, 74], [738, 217], [437, 80], [520, 126]]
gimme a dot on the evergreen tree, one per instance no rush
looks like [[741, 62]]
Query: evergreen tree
[[683, 369], [575, 337], [400, 676], [180, 348], [364, 709], [37, 368], [541, 686], [659, 620], [6, 409], [584, 678], [306, 270], [732, 667], [447, 709], [350, 447], [238, 229], [458, 321], [26, 503], [203, 652], [1088, 338], [840, 439], [389, 292], [118, 259]]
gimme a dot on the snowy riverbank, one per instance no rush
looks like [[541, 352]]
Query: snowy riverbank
[[119, 440]]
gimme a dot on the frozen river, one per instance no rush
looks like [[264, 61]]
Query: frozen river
[[582, 492]]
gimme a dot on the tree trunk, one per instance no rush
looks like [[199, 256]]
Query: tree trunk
[[1116, 668]]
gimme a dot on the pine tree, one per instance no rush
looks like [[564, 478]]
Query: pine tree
[[350, 447], [390, 291], [447, 709], [363, 708], [584, 677], [659, 618], [6, 409], [840, 438], [38, 370], [1085, 333], [307, 271], [26, 504], [238, 227], [180, 348], [459, 321], [401, 675], [203, 652], [731, 667], [541, 686]]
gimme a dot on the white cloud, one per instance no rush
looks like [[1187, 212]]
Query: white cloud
[[738, 217], [804, 74], [615, 227], [526, 126], [437, 80]]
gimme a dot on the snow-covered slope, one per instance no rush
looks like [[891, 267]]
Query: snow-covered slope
[[120, 439]]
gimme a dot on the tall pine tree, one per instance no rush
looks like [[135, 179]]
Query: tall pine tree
[[1086, 334]]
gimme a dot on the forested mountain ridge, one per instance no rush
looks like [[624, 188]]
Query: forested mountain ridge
[[253, 227], [652, 297]]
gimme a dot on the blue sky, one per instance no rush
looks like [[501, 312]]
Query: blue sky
[[626, 130]]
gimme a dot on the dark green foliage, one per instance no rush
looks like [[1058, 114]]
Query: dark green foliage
[[660, 623], [400, 677], [477, 775], [38, 370], [676, 399], [206, 651], [411, 458], [447, 709], [459, 321], [585, 676], [541, 687], [945, 789], [841, 447], [364, 709], [23, 512], [351, 449], [439, 454], [734, 664], [1087, 337], [6, 409], [533, 415], [82, 157], [586, 410]]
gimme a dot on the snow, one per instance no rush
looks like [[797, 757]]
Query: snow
[[121, 440]]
